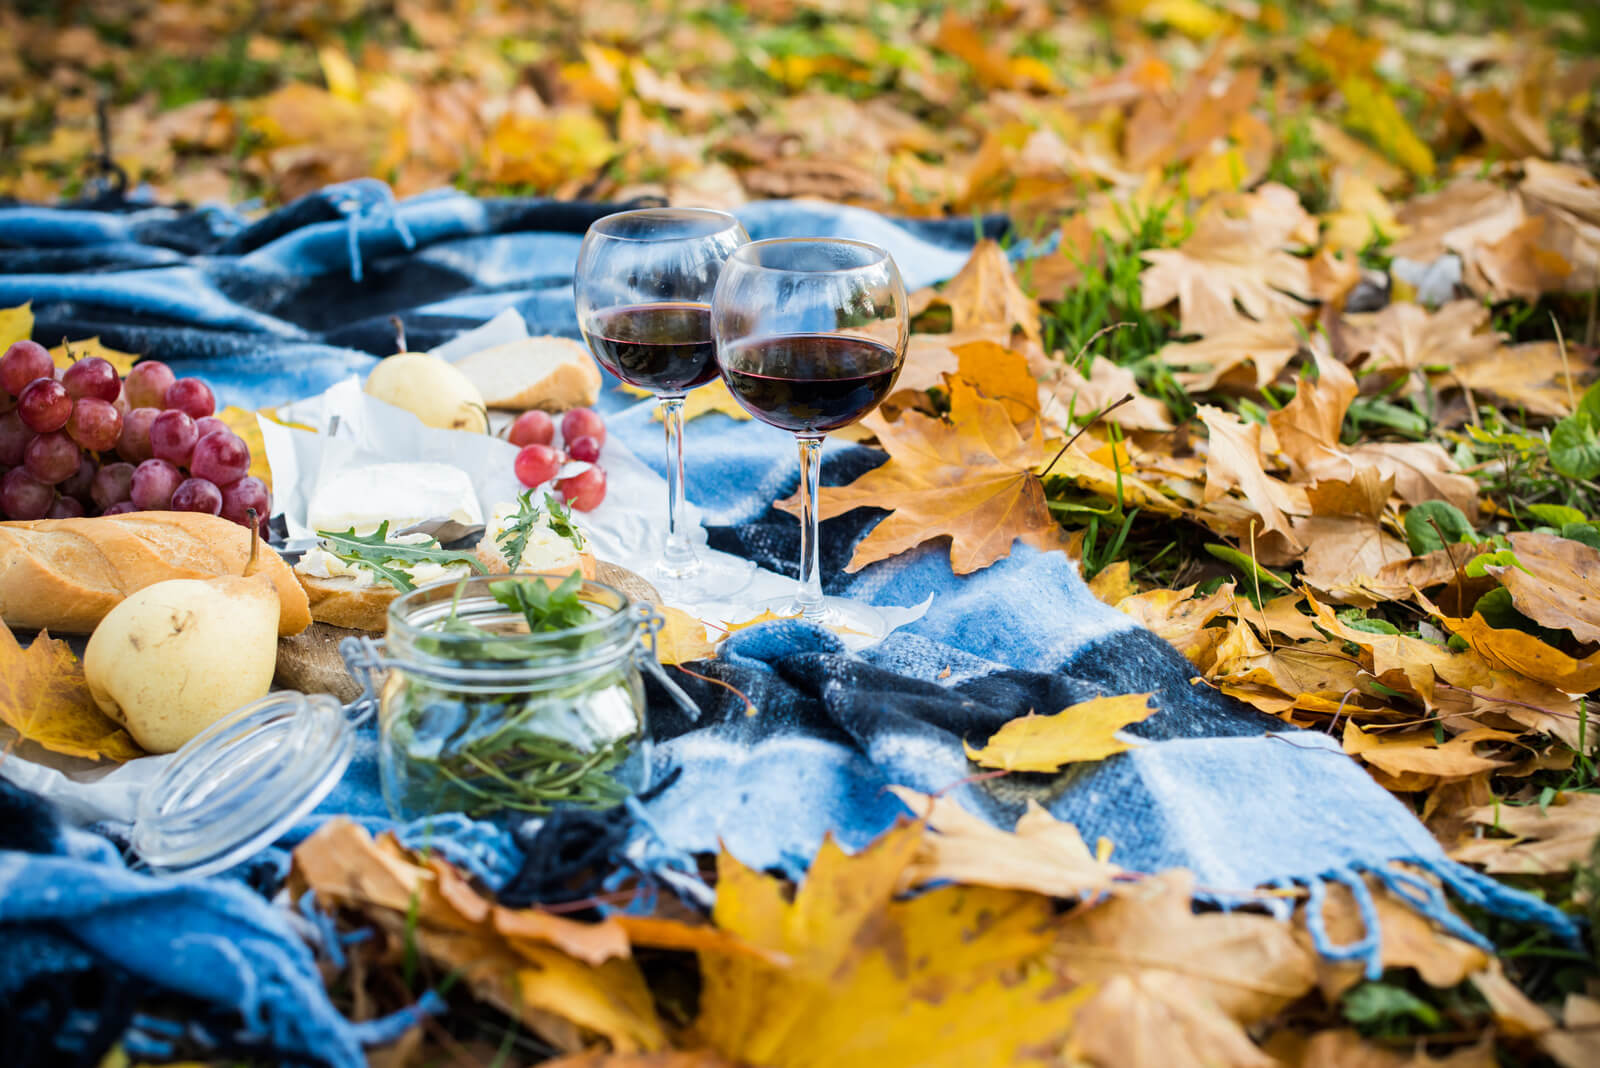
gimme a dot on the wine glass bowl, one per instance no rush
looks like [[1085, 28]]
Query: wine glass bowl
[[810, 337], [642, 289]]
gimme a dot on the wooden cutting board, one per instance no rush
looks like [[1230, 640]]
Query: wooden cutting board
[[310, 661]]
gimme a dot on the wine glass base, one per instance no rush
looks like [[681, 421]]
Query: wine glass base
[[709, 578], [856, 623]]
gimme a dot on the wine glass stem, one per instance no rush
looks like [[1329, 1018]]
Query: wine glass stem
[[679, 557], [810, 597]]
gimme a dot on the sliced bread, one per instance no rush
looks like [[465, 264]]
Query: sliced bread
[[553, 373]]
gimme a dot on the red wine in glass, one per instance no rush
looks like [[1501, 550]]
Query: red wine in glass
[[809, 383], [665, 348]]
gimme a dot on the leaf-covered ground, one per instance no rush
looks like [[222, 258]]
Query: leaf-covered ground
[[1301, 374]]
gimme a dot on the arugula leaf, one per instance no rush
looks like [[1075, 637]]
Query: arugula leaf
[[544, 608], [513, 540], [375, 553]]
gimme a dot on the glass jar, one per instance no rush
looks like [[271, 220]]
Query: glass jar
[[500, 723]]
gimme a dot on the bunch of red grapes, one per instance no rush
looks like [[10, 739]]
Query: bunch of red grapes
[[583, 432], [83, 441]]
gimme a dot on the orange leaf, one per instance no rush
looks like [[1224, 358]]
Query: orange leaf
[[44, 698], [970, 478]]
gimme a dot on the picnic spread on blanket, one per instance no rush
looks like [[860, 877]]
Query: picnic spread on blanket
[[501, 723]]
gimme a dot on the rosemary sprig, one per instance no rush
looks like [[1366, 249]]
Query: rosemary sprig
[[375, 553]]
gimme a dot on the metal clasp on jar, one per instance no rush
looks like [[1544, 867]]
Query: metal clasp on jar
[[648, 659]]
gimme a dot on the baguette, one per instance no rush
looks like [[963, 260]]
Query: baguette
[[553, 373], [343, 602], [66, 574]]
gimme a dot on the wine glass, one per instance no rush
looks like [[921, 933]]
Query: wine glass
[[810, 337], [643, 288]]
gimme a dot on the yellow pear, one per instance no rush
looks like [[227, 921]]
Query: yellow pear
[[430, 389], [176, 656]]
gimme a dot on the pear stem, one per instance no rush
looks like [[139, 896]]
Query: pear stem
[[255, 544], [399, 333]]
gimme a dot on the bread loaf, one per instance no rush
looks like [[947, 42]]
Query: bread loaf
[[553, 373], [66, 574]]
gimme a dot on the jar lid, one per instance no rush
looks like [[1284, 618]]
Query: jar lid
[[241, 783]]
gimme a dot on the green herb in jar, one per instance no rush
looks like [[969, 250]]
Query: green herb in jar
[[529, 750]]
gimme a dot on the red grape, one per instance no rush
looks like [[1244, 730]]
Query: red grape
[[92, 377], [24, 497], [133, 444], [586, 449], [247, 493], [532, 428], [585, 490], [120, 508], [52, 457], [65, 508], [7, 402], [95, 424], [209, 424], [148, 383], [14, 437], [23, 362], [44, 405], [77, 484], [152, 485], [172, 436], [583, 423], [222, 457], [197, 495], [537, 464], [112, 483], [192, 396]]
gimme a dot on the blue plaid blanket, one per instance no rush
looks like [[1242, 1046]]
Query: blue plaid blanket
[[281, 308]]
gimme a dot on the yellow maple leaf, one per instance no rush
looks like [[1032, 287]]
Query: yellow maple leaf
[[45, 699], [15, 324], [985, 292], [69, 352], [970, 477], [1372, 111], [245, 424], [947, 979], [682, 638], [1082, 732]]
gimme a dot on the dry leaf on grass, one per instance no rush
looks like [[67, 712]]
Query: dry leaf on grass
[[1082, 732], [985, 293], [1417, 760], [1518, 651], [970, 477], [1173, 987], [1221, 357], [1406, 338], [1234, 460], [1225, 261], [1177, 615], [1544, 840], [1555, 583], [1347, 1049], [1106, 384], [45, 699]]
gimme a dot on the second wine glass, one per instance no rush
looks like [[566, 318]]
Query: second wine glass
[[643, 288], [811, 334]]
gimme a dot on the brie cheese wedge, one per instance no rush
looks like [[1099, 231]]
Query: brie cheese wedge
[[402, 493]]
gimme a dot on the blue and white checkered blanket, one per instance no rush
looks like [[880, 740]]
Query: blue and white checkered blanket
[[281, 308]]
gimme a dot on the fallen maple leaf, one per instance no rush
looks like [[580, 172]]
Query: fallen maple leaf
[[518, 963], [929, 357], [1555, 583], [45, 699], [1041, 853], [1543, 839], [1347, 1049], [952, 977], [1082, 732], [1177, 616], [1307, 428], [970, 477], [1173, 987], [1106, 384], [1363, 214], [682, 638], [1523, 653], [1407, 338], [985, 293], [1415, 756], [1266, 346], [1234, 460], [1113, 583], [1225, 261], [1001, 374], [15, 325]]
